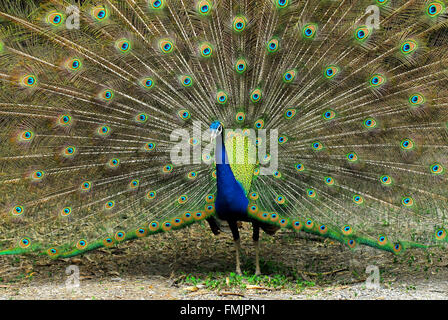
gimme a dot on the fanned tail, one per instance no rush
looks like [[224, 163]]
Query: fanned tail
[[98, 114]]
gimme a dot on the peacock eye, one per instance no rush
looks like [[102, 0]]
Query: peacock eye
[[239, 24], [331, 71], [309, 31], [255, 96], [28, 80], [408, 47], [281, 4], [435, 8], [156, 4], [273, 45], [147, 83], [437, 169], [123, 45], [329, 115], [352, 157], [377, 80], [99, 13], [206, 50], [186, 81], [54, 18], [166, 46], [289, 76]]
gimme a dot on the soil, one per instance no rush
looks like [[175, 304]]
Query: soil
[[162, 266]]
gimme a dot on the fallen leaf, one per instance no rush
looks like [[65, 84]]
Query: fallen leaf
[[191, 289], [257, 287]]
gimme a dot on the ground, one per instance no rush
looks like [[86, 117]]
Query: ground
[[194, 264]]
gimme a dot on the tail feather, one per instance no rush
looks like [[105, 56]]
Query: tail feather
[[92, 113]]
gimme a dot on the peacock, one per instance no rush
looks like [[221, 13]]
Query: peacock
[[120, 119]]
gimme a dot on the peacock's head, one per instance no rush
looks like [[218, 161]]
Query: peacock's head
[[215, 129]]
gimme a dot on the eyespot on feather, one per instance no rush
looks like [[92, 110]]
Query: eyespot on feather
[[408, 47], [156, 4], [362, 33], [123, 45], [369, 123], [329, 114], [281, 4], [28, 80], [99, 13], [331, 71], [290, 113], [54, 18], [416, 99], [352, 157], [206, 50], [239, 24], [357, 199], [289, 76], [241, 65], [309, 31], [25, 243], [273, 45], [240, 116], [186, 81], [407, 201], [221, 97], [204, 7], [166, 46], [147, 82], [73, 64], [377, 80], [317, 146], [435, 8], [120, 235], [256, 95]]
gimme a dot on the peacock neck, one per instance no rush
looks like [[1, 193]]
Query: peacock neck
[[224, 174], [231, 201]]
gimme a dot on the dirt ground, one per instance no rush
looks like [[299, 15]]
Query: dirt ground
[[194, 264]]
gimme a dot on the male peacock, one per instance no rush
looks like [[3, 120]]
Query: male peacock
[[114, 118]]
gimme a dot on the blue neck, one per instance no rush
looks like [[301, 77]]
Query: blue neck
[[231, 201]]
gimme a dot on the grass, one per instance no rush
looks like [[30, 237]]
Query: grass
[[276, 276], [220, 280]]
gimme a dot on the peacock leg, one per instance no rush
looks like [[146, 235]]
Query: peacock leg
[[236, 238], [255, 237], [238, 265]]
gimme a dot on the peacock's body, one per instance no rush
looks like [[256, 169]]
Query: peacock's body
[[114, 119]]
